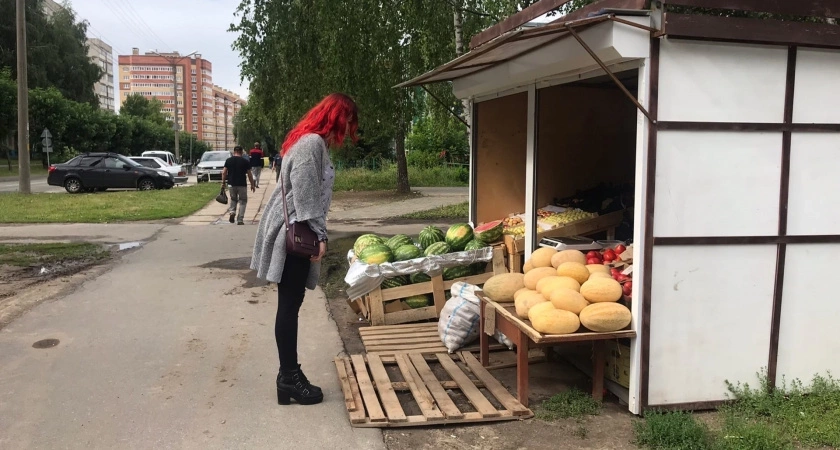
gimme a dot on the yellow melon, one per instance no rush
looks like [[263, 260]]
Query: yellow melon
[[549, 284], [555, 321], [599, 289], [520, 292], [526, 301], [573, 270], [568, 300], [501, 287], [534, 276], [605, 317], [592, 268], [600, 275], [539, 308], [527, 267], [541, 257], [567, 256]]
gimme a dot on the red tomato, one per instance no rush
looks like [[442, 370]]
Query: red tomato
[[619, 249], [609, 254], [593, 254], [627, 288], [593, 261], [614, 271], [621, 277]]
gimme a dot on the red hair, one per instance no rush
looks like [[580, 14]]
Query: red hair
[[334, 118]]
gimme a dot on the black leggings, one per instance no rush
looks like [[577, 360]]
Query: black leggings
[[290, 292]]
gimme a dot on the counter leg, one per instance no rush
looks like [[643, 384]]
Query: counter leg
[[598, 361], [522, 368], [483, 339]]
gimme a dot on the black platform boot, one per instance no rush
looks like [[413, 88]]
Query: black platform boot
[[295, 385]]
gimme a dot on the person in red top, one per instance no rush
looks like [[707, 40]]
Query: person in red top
[[257, 162]]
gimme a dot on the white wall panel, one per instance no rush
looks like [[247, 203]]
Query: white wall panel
[[717, 183], [814, 183], [711, 308], [808, 343], [817, 88], [719, 82]]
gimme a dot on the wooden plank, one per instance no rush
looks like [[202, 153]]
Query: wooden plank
[[398, 329], [407, 291], [753, 31], [494, 386], [472, 279], [478, 400], [810, 8], [418, 389], [468, 418], [444, 403], [386, 393], [499, 260], [349, 402], [516, 20], [374, 410], [359, 415], [403, 339], [598, 370], [522, 369], [376, 307], [411, 315], [403, 386], [438, 294], [404, 348]]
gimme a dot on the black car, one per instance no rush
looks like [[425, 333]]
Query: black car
[[99, 171]]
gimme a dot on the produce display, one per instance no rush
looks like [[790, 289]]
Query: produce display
[[574, 290], [546, 220], [373, 249], [503, 287]]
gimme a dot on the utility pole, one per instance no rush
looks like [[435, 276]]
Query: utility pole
[[24, 185], [174, 60]]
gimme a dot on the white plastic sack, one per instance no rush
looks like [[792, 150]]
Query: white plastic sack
[[458, 324]]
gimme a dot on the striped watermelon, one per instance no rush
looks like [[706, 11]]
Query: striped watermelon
[[365, 240], [456, 272], [438, 248], [417, 301], [429, 236], [397, 281], [459, 235], [376, 254], [397, 241], [476, 244], [406, 252], [490, 231], [420, 278]]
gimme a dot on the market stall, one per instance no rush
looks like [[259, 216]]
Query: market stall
[[715, 139]]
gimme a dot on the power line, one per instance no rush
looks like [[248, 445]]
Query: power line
[[138, 32], [143, 23]]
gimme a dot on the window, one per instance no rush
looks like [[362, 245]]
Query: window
[[195, 119], [195, 127], [195, 103], [193, 72], [89, 161], [195, 95], [151, 163], [193, 79], [114, 163]]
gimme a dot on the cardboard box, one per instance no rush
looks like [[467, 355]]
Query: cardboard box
[[617, 363]]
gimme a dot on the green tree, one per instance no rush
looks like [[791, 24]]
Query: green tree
[[56, 50], [136, 105]]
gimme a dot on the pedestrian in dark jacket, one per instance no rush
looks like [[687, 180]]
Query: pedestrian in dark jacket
[[276, 164], [236, 173], [257, 162]]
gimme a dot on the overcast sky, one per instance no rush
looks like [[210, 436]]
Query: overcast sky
[[166, 25]]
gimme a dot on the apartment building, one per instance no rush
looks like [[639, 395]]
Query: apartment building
[[102, 55], [227, 105]]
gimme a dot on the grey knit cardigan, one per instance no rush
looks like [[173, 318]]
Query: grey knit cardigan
[[303, 171]]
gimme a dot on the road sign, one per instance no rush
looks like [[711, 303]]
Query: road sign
[[48, 149], [46, 140]]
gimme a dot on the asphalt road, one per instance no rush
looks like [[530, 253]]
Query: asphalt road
[[172, 348]]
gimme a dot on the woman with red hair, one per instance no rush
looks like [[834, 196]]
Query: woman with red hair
[[307, 176]]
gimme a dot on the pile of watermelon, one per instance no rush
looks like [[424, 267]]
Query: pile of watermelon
[[373, 249]]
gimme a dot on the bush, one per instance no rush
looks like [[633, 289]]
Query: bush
[[358, 179]]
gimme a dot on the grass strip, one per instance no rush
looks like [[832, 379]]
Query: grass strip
[[459, 212], [25, 255]]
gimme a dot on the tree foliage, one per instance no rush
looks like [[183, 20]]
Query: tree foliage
[[136, 105], [57, 52]]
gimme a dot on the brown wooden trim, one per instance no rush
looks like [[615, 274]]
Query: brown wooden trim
[[784, 195], [745, 240], [542, 7], [751, 31], [650, 196], [822, 8], [689, 406], [473, 162], [747, 126]]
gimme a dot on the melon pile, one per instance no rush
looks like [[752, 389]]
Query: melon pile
[[559, 293]]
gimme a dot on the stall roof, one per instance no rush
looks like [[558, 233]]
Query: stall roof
[[504, 48]]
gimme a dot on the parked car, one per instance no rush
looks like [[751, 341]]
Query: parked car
[[99, 171], [153, 162], [168, 157], [210, 165]]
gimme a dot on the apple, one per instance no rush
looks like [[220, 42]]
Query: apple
[[621, 277], [609, 253], [619, 249], [593, 254], [593, 261], [609, 257], [627, 288], [614, 272]]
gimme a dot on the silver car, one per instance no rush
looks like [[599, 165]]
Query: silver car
[[210, 166], [177, 171]]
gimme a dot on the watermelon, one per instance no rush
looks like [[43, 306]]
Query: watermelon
[[476, 244], [456, 272], [478, 268], [397, 281], [490, 231], [376, 254], [438, 248], [406, 252], [429, 236], [459, 235], [397, 241], [420, 278], [417, 301], [365, 240]]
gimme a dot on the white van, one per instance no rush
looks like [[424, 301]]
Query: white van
[[167, 157]]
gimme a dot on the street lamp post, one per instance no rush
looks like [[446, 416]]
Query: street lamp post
[[174, 60]]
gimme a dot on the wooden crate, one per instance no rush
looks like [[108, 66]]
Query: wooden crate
[[372, 305], [515, 247], [386, 340], [370, 391]]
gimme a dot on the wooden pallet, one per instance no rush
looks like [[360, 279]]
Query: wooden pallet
[[386, 340], [370, 391]]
